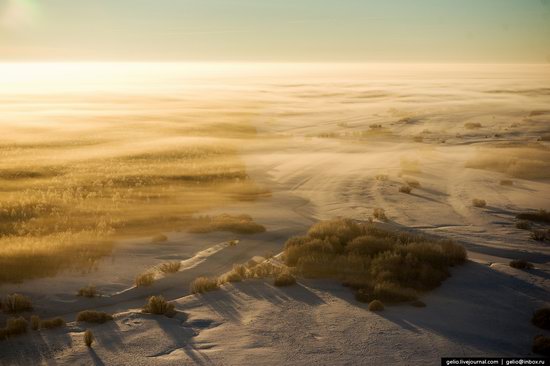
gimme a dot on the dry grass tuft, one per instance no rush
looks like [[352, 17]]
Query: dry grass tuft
[[159, 306], [521, 264], [263, 270], [14, 327], [16, 303], [284, 279], [376, 305], [145, 279], [378, 263], [35, 322], [170, 267], [204, 284], [92, 316], [476, 202], [88, 291], [52, 323], [231, 277], [380, 214], [88, 338]]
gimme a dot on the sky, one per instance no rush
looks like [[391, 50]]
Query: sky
[[488, 31]]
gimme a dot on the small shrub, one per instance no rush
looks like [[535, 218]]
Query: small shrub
[[92, 316], [284, 279], [52, 323], [35, 322], [145, 279], [539, 235], [476, 202], [472, 125], [231, 277], [263, 270], [380, 214], [88, 338], [418, 304], [159, 306], [376, 305], [541, 318], [14, 327], [541, 345], [170, 267], [16, 303], [405, 189], [88, 291], [204, 284], [521, 264], [506, 182], [241, 270], [523, 225], [539, 216], [379, 263], [159, 238]]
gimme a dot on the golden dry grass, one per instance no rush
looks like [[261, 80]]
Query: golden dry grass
[[16, 303], [145, 279], [170, 267], [72, 187], [477, 202], [92, 316], [159, 306], [376, 305], [88, 291], [284, 279], [204, 284], [52, 323], [14, 327], [88, 338]]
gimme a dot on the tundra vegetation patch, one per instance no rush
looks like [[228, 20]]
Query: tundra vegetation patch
[[378, 264]]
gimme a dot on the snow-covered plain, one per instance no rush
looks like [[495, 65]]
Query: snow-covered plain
[[319, 154]]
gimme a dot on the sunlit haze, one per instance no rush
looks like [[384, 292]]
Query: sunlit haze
[[281, 31]]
